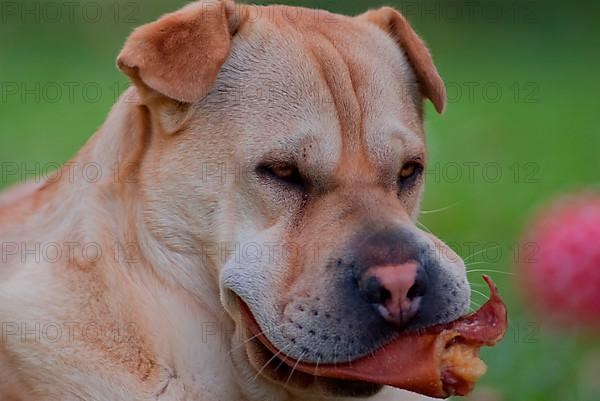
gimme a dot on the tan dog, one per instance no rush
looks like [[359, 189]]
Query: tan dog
[[267, 159]]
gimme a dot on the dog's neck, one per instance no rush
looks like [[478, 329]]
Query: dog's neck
[[104, 183], [172, 298], [118, 150]]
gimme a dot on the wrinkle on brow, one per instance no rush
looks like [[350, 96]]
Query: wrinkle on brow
[[337, 74]]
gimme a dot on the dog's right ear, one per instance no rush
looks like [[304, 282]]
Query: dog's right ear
[[180, 55]]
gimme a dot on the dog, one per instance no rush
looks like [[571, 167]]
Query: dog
[[267, 164]]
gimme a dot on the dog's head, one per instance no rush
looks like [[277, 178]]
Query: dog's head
[[288, 149]]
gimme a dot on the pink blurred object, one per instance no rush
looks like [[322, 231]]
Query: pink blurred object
[[561, 280]]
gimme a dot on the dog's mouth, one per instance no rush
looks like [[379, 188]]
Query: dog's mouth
[[277, 368], [440, 361]]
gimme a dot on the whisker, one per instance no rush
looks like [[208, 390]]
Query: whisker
[[293, 369], [280, 363], [263, 332], [489, 271], [317, 366], [477, 305], [479, 262], [335, 354], [441, 209], [269, 361], [481, 251], [479, 293], [424, 227]]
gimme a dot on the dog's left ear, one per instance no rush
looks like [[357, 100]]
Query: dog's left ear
[[180, 55], [394, 23]]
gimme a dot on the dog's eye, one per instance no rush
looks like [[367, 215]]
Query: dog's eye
[[283, 172], [409, 173]]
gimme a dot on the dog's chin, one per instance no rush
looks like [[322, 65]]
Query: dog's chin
[[273, 369]]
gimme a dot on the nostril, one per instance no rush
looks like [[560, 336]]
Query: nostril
[[373, 291], [416, 291], [419, 288], [394, 289]]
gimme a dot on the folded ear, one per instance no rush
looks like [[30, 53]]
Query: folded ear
[[391, 21], [180, 55]]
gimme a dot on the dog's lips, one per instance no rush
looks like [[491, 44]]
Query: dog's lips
[[439, 361]]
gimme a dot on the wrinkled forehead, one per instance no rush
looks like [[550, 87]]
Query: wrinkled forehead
[[329, 83]]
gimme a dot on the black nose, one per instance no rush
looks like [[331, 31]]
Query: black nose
[[395, 290]]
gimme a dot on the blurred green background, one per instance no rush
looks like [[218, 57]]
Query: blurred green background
[[521, 127]]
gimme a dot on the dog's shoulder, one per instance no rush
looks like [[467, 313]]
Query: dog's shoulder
[[11, 387], [20, 193]]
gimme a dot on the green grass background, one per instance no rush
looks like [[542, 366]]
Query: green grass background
[[545, 60]]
